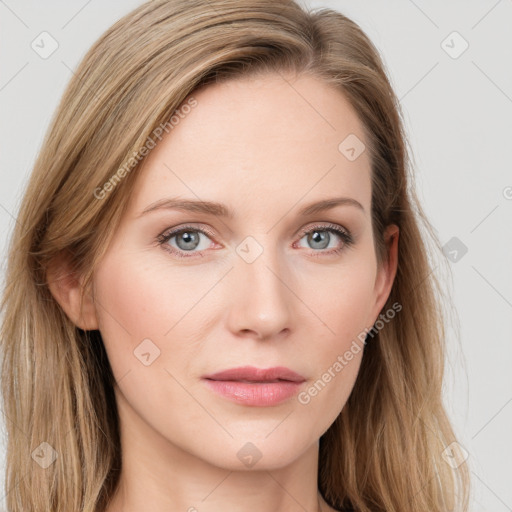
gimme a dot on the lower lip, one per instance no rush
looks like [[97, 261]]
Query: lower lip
[[257, 394]]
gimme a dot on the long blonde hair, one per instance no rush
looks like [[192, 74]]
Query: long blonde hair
[[384, 451]]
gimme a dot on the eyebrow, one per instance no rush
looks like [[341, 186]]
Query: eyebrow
[[221, 210]]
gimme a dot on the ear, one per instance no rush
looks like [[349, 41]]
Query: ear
[[66, 286], [387, 272]]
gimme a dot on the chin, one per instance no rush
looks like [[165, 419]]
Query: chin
[[260, 451]]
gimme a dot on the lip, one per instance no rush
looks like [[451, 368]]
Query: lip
[[253, 374], [253, 386]]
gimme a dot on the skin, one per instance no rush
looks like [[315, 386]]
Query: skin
[[265, 148]]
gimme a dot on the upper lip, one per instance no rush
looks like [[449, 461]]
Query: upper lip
[[253, 374]]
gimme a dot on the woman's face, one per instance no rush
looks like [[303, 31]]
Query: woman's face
[[250, 288]]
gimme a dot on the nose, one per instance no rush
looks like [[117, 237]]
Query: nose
[[260, 298]]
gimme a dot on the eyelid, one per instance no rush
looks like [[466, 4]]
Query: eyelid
[[196, 227], [325, 225]]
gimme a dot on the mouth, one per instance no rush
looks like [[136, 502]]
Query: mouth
[[255, 387]]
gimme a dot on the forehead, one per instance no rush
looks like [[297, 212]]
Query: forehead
[[252, 137]]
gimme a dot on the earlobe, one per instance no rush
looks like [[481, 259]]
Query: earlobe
[[66, 287]]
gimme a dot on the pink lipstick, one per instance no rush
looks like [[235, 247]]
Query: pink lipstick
[[261, 387]]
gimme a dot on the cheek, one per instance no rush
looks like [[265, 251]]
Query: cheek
[[125, 302], [342, 299], [137, 301], [146, 316]]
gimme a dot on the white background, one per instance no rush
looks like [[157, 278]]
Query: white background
[[458, 114]]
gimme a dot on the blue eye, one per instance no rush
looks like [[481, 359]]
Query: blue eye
[[320, 237], [188, 238]]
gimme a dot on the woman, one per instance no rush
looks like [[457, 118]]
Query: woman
[[218, 296]]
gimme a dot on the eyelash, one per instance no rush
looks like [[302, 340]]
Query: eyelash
[[345, 236]]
